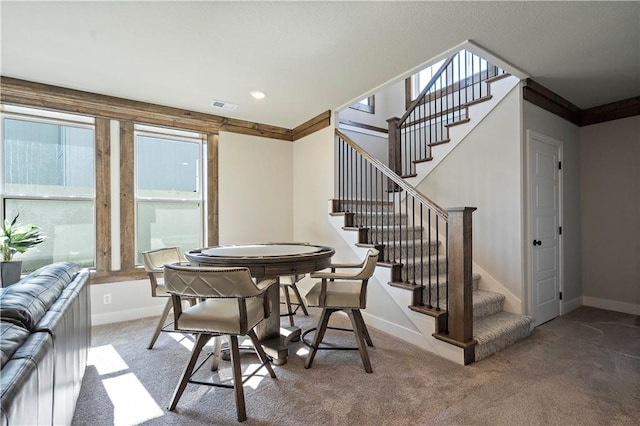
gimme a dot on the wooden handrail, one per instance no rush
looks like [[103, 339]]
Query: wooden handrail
[[426, 89], [409, 189]]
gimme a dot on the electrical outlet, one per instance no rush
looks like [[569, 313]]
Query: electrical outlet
[[106, 299]]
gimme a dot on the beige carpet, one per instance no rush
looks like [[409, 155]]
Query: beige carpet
[[582, 369]]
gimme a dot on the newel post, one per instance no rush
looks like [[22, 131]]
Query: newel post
[[460, 319], [395, 149]]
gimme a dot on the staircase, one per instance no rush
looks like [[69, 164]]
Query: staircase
[[425, 249], [493, 328]]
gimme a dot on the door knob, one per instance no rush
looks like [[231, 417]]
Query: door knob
[[537, 242]]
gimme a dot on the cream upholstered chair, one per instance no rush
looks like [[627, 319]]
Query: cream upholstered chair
[[154, 261], [232, 304], [346, 291]]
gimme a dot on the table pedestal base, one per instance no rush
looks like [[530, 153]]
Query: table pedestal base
[[275, 347]]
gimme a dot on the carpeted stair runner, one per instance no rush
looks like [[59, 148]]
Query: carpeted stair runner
[[493, 328]]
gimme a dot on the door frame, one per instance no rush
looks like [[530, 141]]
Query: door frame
[[530, 135]]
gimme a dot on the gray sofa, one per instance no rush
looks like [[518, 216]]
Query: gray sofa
[[45, 335]]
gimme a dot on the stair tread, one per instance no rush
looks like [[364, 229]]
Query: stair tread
[[483, 297], [490, 328]]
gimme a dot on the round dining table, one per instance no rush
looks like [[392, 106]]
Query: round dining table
[[269, 261]]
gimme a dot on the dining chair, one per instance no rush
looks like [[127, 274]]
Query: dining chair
[[154, 261], [347, 292], [231, 305]]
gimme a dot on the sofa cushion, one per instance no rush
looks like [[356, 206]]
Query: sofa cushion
[[12, 336], [65, 270], [25, 302]]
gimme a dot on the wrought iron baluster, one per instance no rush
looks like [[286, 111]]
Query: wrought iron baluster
[[413, 221], [437, 265], [421, 259], [430, 305]]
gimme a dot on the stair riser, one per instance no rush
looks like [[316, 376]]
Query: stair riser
[[485, 350], [387, 235], [406, 252], [440, 291], [366, 220], [488, 309], [438, 267], [354, 206]]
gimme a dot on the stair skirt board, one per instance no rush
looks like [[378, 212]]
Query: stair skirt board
[[423, 340]]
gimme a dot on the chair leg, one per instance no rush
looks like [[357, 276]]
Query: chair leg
[[365, 332], [317, 339], [288, 301], [237, 379], [215, 359], [186, 375], [300, 302], [360, 340], [261, 354], [161, 321]]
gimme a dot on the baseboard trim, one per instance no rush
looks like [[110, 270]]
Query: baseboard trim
[[612, 305], [427, 343], [571, 305], [126, 315]]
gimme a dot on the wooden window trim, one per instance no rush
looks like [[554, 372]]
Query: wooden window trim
[[105, 108], [370, 108]]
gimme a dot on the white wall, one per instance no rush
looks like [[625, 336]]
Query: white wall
[[389, 103], [255, 189], [541, 121], [129, 300], [376, 146], [610, 178], [312, 190], [484, 171]]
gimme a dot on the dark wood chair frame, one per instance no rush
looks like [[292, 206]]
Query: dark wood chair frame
[[359, 327], [203, 337]]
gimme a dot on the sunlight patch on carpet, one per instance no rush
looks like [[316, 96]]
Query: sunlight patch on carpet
[[254, 381], [132, 403], [106, 360]]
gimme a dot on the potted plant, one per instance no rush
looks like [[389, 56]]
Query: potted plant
[[16, 238]]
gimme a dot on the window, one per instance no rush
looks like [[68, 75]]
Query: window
[[48, 177], [366, 105], [169, 184], [464, 66]]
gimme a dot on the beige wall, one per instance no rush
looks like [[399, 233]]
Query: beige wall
[[548, 124], [610, 188], [255, 189]]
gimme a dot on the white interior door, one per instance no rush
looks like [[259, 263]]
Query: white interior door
[[544, 225]]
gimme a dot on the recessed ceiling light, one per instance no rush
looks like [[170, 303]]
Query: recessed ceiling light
[[258, 94]]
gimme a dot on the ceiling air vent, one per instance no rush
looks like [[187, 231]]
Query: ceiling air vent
[[224, 105]]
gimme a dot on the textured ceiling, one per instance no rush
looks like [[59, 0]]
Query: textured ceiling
[[310, 57]]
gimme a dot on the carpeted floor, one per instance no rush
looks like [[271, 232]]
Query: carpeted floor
[[580, 369]]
